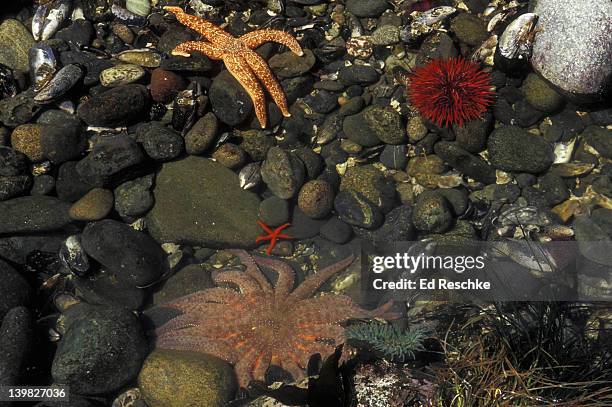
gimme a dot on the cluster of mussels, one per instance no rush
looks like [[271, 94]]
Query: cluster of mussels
[[124, 168]]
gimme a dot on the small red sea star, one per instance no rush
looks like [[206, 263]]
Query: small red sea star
[[272, 235]]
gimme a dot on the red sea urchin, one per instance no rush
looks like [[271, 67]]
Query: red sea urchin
[[448, 91]]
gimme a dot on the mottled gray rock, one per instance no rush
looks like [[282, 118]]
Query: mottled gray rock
[[572, 48]]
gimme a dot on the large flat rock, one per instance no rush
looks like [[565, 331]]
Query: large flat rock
[[200, 202]]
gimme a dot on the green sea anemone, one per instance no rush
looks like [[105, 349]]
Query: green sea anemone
[[390, 341]]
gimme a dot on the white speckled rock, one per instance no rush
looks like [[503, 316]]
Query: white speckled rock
[[573, 49]]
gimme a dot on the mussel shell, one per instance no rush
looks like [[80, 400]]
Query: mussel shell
[[38, 20], [516, 40], [60, 84], [56, 14], [43, 65], [8, 84], [127, 17], [73, 256]]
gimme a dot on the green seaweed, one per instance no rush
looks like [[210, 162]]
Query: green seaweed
[[390, 341]]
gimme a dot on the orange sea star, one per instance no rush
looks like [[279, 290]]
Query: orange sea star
[[272, 235], [239, 58], [263, 324]]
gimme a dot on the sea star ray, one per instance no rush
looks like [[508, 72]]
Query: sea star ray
[[249, 69]]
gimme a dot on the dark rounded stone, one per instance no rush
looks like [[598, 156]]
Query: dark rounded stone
[[134, 256], [15, 345], [312, 161], [12, 162], [541, 95], [79, 33], [159, 142], [14, 290], [394, 157], [115, 107], [63, 142], [373, 184], [283, 172], [374, 125], [290, 65], [438, 45], [17, 185], [274, 211], [598, 137], [102, 350], [337, 231], [468, 164], [230, 102], [370, 8], [554, 189], [514, 149], [109, 156], [202, 135], [357, 75], [322, 101], [70, 186], [134, 198], [303, 226], [432, 213], [316, 198], [31, 214], [107, 288], [457, 198], [470, 29], [43, 185], [396, 227], [472, 136], [355, 209], [353, 106]]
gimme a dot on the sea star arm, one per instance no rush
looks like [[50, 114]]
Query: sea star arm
[[263, 72], [186, 48], [260, 367], [207, 29], [286, 276], [252, 269], [256, 38], [241, 71], [197, 344], [311, 284], [246, 283]]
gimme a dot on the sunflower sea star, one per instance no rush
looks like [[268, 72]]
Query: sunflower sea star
[[263, 324], [239, 58]]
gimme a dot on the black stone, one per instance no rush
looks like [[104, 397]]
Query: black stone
[[159, 142], [470, 165], [14, 290], [16, 339], [230, 102], [337, 231], [30, 214], [118, 106], [355, 209], [514, 149]]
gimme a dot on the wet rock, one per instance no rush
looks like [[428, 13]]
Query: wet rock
[[458, 199], [274, 211], [385, 35], [187, 280], [94, 205], [554, 189], [70, 186], [230, 156], [115, 107], [373, 125], [372, 184], [31, 214], [109, 156], [394, 157], [27, 139], [302, 227], [11, 187], [110, 289], [312, 161], [15, 345], [102, 350], [134, 256], [337, 231], [425, 164], [432, 213], [290, 65], [574, 53], [371, 8], [322, 101], [357, 75], [472, 136], [19, 109], [469, 29], [79, 33], [514, 149], [43, 184], [283, 172], [600, 139], [593, 242], [159, 142], [202, 135], [436, 46], [230, 102], [15, 41], [165, 85], [396, 227], [134, 198], [14, 290], [171, 378], [355, 209], [63, 142], [353, 106], [187, 206], [316, 198], [540, 95], [122, 74]]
